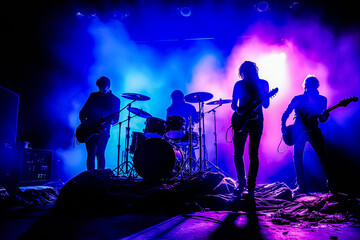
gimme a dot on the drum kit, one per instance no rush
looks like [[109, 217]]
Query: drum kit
[[158, 152]]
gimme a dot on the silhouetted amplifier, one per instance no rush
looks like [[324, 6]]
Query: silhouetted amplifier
[[9, 108], [36, 166]]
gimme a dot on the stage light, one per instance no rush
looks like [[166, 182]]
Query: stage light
[[80, 15], [93, 16], [262, 6], [121, 15], [294, 5], [185, 11]]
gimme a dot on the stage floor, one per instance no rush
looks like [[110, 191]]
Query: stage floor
[[42, 224], [97, 205]]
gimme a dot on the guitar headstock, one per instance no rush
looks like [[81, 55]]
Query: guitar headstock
[[273, 92], [347, 101]]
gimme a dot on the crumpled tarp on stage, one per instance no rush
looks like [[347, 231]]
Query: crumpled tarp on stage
[[102, 192], [28, 197]]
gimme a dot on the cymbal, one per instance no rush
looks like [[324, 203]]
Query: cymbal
[[139, 112], [135, 96], [219, 102], [198, 97]]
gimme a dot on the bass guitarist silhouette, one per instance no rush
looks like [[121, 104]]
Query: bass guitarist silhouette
[[99, 112], [247, 94]]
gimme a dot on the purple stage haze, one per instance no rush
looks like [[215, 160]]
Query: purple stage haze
[[285, 55]]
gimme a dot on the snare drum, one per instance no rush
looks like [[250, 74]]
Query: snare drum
[[136, 139], [156, 159], [154, 127], [185, 140], [175, 127]]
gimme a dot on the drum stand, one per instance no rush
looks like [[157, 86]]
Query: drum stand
[[190, 160]]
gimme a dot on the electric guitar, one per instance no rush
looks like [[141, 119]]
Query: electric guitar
[[293, 131], [239, 121], [85, 130]]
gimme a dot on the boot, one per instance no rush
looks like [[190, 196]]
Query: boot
[[239, 190], [251, 189]]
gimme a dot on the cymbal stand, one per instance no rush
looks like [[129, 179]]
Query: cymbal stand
[[203, 136], [190, 146], [216, 165], [119, 137], [200, 134], [202, 143], [215, 134], [127, 142], [119, 146]]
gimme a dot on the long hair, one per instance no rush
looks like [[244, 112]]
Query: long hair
[[249, 70], [312, 83]]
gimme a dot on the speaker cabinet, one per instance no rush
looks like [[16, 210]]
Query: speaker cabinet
[[9, 109]]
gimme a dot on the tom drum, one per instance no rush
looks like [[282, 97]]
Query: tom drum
[[154, 127]]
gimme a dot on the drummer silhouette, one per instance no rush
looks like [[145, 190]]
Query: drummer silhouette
[[180, 108]]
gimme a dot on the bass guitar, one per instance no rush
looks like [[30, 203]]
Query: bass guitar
[[85, 130], [239, 121], [293, 131]]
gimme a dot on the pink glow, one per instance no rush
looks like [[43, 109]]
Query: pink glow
[[283, 65]]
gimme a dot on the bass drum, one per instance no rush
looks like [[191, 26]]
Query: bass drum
[[156, 159]]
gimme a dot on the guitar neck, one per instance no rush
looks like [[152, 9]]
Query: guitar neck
[[333, 107], [259, 104], [105, 120], [330, 109]]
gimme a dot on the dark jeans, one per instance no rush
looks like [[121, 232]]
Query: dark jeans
[[315, 138], [254, 130], [96, 146]]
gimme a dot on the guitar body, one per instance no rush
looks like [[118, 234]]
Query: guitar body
[[293, 134], [239, 122], [84, 132]]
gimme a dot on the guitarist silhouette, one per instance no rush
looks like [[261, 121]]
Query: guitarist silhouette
[[247, 94], [98, 107], [306, 107]]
